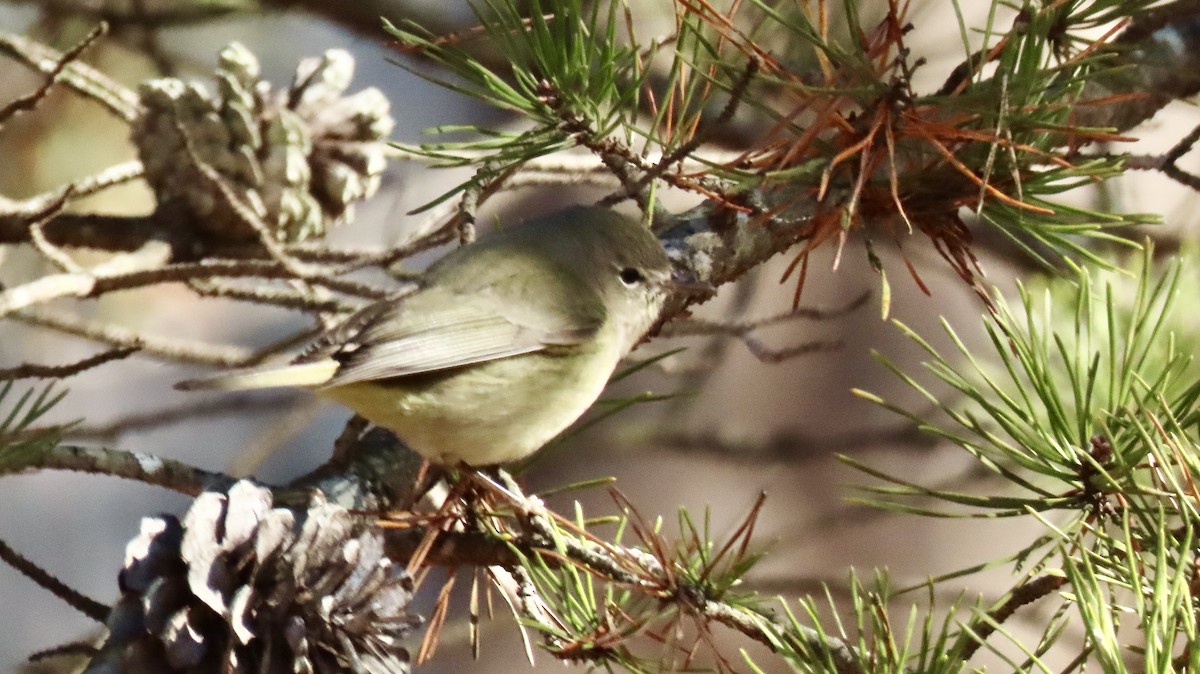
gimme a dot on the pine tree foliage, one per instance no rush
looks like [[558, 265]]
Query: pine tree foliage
[[1086, 409], [1000, 137]]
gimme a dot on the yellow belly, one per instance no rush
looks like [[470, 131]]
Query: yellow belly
[[488, 413]]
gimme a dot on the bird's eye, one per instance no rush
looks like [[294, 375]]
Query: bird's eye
[[631, 276]]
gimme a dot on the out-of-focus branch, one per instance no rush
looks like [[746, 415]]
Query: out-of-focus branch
[[30, 370], [168, 348], [161, 417], [30, 101], [743, 331], [162, 15], [82, 78], [77, 600], [165, 473], [365, 17], [1156, 62]]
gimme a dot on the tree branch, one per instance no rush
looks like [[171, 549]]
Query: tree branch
[[75, 599], [34, 371], [166, 473]]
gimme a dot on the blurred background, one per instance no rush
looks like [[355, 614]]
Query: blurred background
[[738, 425]]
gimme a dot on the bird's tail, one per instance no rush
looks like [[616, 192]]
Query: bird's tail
[[304, 375]]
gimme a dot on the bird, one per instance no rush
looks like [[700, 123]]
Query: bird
[[504, 343]]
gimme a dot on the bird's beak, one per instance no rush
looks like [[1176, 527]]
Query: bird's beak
[[685, 283]]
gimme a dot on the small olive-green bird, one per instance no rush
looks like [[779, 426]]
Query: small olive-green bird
[[505, 343]]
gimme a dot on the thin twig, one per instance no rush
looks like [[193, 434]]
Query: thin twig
[[43, 204], [771, 356], [57, 256], [161, 417], [73, 598], [578, 164], [1170, 159], [86, 284], [184, 351], [45, 289], [30, 101], [75, 648], [151, 45], [697, 326], [742, 330], [36, 371], [113, 175], [1022, 595], [285, 299], [166, 473], [83, 79], [160, 15]]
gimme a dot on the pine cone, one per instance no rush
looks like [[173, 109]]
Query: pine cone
[[240, 586], [296, 159]]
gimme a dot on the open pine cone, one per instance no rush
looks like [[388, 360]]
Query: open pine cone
[[296, 159], [241, 586]]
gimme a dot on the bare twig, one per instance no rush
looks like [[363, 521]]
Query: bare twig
[[158, 418], [166, 473], [83, 79], [1022, 595], [118, 272], [75, 648], [96, 230], [51, 252], [73, 598], [151, 45], [742, 330], [113, 175], [163, 15], [766, 354], [132, 232], [30, 101], [1167, 163], [578, 164], [695, 326], [285, 299], [185, 351], [85, 284], [44, 289], [34, 371], [790, 446]]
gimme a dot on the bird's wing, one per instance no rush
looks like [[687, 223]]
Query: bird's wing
[[438, 329]]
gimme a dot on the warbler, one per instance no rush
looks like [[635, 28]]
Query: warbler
[[504, 344]]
